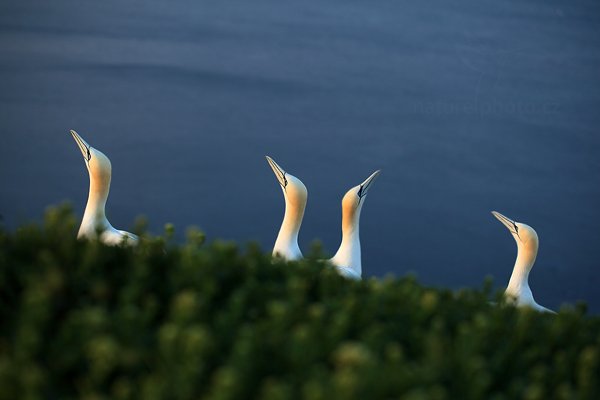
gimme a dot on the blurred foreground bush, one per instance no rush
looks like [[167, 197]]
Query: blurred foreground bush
[[166, 321]]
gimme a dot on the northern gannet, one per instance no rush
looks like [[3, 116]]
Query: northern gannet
[[295, 195], [347, 260], [527, 247], [94, 224]]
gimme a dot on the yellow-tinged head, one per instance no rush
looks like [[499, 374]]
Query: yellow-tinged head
[[294, 190], [525, 236], [98, 165], [353, 200]]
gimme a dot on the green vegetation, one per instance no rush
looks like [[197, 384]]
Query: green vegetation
[[209, 321]]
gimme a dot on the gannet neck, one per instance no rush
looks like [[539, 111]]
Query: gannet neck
[[94, 216], [286, 244], [349, 254], [518, 285]]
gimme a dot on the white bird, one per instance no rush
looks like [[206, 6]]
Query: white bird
[[518, 289], [94, 224], [295, 195], [347, 260]]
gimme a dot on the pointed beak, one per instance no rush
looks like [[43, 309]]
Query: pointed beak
[[364, 187], [509, 223], [83, 146], [278, 171]]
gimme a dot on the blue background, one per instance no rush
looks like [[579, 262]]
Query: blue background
[[467, 107]]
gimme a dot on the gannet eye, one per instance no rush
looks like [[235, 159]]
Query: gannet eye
[[517, 230], [285, 181], [360, 192], [89, 155]]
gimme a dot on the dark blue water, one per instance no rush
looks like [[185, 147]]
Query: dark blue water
[[466, 106]]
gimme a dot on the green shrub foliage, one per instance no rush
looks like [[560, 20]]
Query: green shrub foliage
[[210, 321]]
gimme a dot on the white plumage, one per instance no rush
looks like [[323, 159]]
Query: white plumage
[[518, 289], [95, 224]]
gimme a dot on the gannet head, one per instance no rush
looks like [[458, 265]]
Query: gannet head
[[294, 191], [354, 199], [98, 165], [525, 236]]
